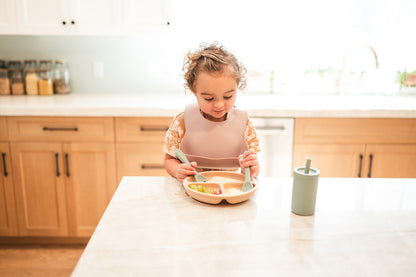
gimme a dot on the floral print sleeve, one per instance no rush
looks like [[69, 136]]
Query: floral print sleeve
[[174, 135], [251, 136]]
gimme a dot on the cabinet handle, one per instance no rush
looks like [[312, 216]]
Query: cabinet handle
[[64, 22], [153, 129], [4, 164], [152, 166], [72, 22], [67, 165], [57, 165], [60, 129], [371, 164], [361, 165]]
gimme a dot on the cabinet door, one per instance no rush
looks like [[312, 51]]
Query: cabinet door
[[332, 160], [7, 17], [142, 13], [8, 224], [42, 16], [39, 188], [96, 16], [140, 159], [391, 161], [90, 184]]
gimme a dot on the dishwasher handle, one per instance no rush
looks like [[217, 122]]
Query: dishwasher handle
[[272, 130]]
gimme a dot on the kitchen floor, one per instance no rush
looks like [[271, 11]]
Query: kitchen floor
[[39, 260]]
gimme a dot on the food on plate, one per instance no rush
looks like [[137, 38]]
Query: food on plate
[[232, 191], [201, 188], [223, 180]]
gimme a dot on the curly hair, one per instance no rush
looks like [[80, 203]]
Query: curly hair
[[212, 58]]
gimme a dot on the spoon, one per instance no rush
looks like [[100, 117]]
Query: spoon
[[181, 156], [247, 185]]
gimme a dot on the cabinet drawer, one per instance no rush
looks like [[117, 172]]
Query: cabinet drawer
[[3, 129], [61, 128], [140, 159], [355, 130], [142, 129]]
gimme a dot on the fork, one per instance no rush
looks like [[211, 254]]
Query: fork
[[247, 185], [181, 156]]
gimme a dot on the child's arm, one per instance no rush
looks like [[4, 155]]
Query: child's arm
[[252, 161], [177, 169]]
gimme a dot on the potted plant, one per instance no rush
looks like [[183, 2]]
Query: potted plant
[[406, 79]]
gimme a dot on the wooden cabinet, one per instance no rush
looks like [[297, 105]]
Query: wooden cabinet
[[7, 17], [8, 223], [357, 147], [139, 146], [68, 16], [64, 173]]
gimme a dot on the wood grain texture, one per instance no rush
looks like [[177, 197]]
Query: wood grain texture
[[39, 260]]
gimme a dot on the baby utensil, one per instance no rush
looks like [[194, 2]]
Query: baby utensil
[[247, 185], [181, 156]]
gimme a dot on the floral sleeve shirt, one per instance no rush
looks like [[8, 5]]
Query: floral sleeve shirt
[[176, 132]]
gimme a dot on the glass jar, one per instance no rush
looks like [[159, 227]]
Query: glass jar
[[4, 82], [31, 81], [13, 65], [17, 83], [45, 82], [45, 64], [61, 77], [3, 64], [29, 64]]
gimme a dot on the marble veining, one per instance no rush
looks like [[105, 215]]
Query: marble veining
[[361, 227]]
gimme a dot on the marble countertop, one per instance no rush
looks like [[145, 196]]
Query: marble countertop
[[361, 227], [171, 104]]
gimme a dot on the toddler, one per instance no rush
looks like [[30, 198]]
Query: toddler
[[212, 133]]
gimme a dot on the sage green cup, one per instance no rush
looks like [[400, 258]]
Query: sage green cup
[[305, 187]]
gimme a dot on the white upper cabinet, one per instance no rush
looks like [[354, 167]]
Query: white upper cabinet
[[81, 17], [42, 16], [68, 17], [7, 17], [147, 13]]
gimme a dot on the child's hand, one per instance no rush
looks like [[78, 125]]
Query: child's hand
[[184, 171], [250, 160]]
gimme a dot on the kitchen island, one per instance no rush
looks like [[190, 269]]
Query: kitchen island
[[260, 105], [362, 227]]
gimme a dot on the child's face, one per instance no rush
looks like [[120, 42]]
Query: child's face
[[216, 94]]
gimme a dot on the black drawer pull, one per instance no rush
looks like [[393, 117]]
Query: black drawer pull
[[153, 166], [57, 165], [4, 164], [60, 129], [153, 129], [361, 165], [67, 165], [371, 164]]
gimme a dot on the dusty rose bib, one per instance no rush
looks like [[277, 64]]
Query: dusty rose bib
[[214, 145]]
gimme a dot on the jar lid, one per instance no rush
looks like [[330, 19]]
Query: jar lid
[[31, 70], [15, 70], [14, 62], [45, 61], [29, 61], [43, 70], [3, 70], [61, 61]]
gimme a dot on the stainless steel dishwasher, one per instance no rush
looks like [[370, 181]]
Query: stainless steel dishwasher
[[276, 145]]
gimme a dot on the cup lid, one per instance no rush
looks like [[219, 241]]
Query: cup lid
[[301, 170]]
